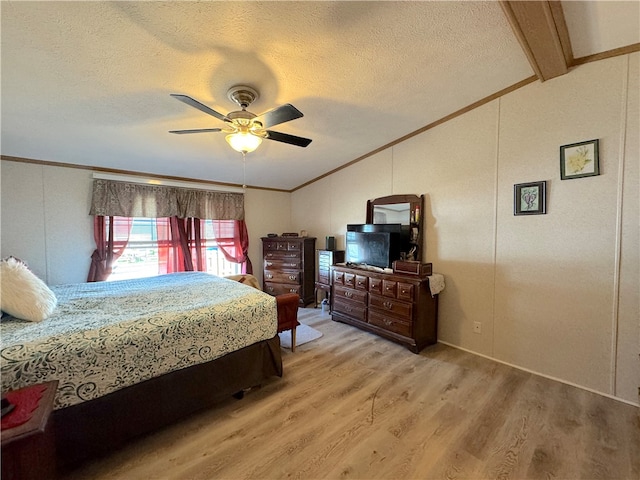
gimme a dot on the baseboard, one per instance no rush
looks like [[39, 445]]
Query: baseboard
[[582, 387]]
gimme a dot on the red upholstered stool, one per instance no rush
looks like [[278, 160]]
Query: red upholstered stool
[[288, 315]]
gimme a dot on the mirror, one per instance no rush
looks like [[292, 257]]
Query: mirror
[[407, 210], [392, 213]]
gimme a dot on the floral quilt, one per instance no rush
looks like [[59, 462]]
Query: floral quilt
[[105, 336]]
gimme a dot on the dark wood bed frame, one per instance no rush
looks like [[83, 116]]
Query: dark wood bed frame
[[97, 427]]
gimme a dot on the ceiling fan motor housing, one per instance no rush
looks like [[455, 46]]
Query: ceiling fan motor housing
[[242, 95]]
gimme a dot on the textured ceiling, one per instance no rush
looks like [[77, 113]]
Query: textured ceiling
[[89, 82]]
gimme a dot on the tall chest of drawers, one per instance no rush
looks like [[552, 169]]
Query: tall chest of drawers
[[289, 266], [395, 306]]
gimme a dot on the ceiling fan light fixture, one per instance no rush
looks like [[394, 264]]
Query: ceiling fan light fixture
[[243, 142]]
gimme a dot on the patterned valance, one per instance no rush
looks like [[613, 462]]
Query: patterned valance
[[123, 199]]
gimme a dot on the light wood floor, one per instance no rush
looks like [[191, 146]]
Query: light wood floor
[[352, 405]]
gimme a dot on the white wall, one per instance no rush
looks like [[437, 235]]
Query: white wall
[[556, 294], [327, 206], [626, 370], [45, 219], [266, 212]]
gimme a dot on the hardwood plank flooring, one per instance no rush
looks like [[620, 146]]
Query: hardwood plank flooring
[[353, 405]]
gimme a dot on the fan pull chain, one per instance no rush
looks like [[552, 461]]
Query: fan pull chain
[[244, 172]]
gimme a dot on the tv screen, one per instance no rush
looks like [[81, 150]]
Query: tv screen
[[372, 248]]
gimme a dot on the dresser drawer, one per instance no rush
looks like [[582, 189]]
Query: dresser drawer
[[282, 264], [361, 282], [392, 289], [349, 280], [389, 288], [350, 294], [280, 288], [349, 308], [324, 259], [324, 269], [269, 246], [323, 278], [405, 291], [390, 306], [289, 246], [280, 246], [390, 323], [338, 278], [275, 255], [282, 277], [375, 285]]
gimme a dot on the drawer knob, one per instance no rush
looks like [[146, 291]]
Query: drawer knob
[[269, 264], [387, 322], [269, 275], [388, 305], [348, 294], [292, 277]]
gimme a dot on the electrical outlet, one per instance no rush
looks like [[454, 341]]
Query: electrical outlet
[[477, 327]]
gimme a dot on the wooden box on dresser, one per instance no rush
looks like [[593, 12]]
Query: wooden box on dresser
[[289, 266], [395, 306]]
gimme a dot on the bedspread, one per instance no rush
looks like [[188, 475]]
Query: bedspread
[[105, 336]]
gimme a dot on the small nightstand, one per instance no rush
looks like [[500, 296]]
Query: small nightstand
[[325, 259], [28, 450]]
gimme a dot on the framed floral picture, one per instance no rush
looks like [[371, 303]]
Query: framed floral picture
[[529, 198], [579, 160]]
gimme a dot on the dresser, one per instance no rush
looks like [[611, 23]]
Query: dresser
[[326, 258], [395, 306], [289, 266]]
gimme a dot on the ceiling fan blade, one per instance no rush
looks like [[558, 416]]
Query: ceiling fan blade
[[203, 108], [281, 114], [286, 138], [198, 130]]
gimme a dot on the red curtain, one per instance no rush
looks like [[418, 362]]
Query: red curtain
[[181, 247], [111, 235], [233, 240]]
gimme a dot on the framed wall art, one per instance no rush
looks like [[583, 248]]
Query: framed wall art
[[579, 160], [529, 198]]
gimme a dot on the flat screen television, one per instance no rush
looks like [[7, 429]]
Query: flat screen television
[[370, 248], [375, 244]]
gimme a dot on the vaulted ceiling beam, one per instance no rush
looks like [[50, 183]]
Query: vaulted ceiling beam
[[542, 32]]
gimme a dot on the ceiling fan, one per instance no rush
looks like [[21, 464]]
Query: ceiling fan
[[245, 130]]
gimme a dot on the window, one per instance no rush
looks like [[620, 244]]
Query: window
[[140, 257]]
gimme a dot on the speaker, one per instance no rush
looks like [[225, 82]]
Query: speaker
[[330, 243]]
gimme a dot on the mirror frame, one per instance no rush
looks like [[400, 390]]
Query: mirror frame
[[416, 204]]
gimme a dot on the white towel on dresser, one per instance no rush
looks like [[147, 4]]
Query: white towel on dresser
[[436, 283]]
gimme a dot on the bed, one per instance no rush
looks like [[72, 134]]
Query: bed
[[134, 355]]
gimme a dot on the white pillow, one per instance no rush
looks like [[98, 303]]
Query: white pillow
[[23, 295]]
